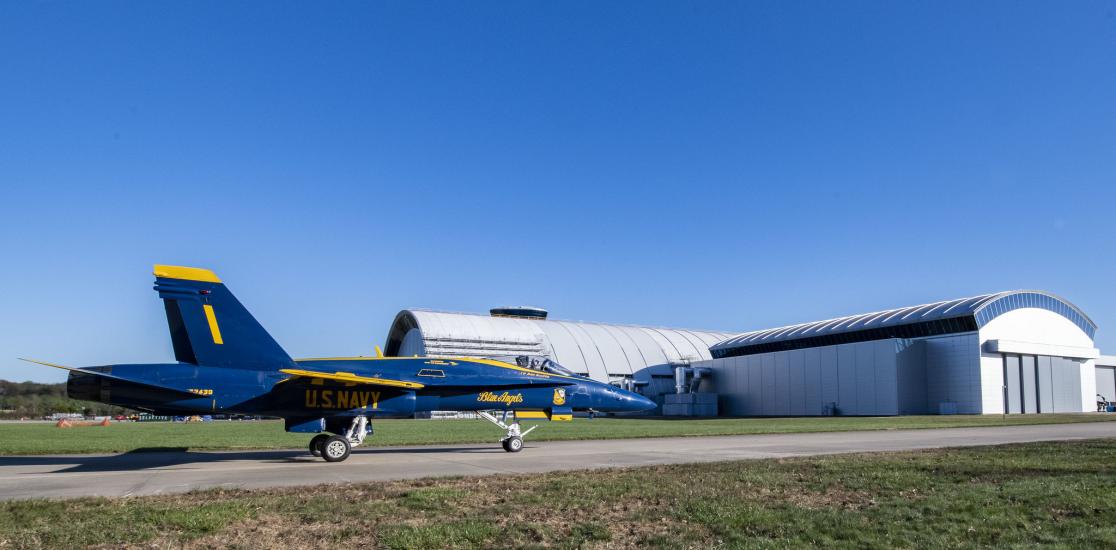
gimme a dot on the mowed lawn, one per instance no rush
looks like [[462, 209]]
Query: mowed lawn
[[45, 438], [1056, 494]]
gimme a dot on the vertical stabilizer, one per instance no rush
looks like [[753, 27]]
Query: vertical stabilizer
[[209, 326]]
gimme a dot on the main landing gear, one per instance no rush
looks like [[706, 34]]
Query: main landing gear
[[335, 448], [512, 441]]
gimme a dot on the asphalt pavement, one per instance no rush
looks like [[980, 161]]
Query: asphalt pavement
[[151, 473]]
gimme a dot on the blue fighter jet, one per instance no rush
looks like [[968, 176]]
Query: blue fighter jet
[[228, 364]]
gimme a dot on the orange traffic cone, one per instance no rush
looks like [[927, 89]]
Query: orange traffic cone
[[105, 422]]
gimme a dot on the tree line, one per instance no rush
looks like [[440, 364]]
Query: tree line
[[35, 400]]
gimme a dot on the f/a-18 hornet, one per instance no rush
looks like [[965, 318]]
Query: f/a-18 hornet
[[228, 364]]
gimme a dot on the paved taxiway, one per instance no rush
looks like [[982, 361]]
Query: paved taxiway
[[150, 473]]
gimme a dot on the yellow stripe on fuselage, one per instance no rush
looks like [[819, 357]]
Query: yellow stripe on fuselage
[[350, 377], [489, 362], [213, 328]]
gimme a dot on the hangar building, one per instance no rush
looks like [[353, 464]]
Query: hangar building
[[1030, 350], [1022, 351], [609, 353]]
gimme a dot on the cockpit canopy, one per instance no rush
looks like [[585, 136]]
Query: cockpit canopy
[[537, 362]]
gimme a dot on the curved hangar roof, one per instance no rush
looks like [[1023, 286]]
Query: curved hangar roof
[[951, 316], [595, 349]]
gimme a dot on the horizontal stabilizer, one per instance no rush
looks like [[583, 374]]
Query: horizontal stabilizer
[[100, 374], [350, 377]]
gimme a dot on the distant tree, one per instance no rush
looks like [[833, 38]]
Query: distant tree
[[34, 400]]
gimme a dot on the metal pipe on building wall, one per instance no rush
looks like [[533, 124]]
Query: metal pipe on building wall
[[680, 372], [699, 374], [696, 374]]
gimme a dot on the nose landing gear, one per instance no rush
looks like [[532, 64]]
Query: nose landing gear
[[512, 444], [512, 441]]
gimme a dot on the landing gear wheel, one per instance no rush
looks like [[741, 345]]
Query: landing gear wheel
[[336, 448], [316, 444], [513, 444]]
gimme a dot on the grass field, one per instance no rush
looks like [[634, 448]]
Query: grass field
[[1053, 494], [44, 438]]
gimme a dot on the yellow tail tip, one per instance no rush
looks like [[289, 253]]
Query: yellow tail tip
[[185, 273]]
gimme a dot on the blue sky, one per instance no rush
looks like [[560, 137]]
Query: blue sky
[[731, 166]]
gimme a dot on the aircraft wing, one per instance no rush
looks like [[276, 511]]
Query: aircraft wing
[[350, 377], [114, 377]]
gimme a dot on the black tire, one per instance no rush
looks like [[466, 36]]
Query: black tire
[[316, 444], [513, 444], [336, 448]]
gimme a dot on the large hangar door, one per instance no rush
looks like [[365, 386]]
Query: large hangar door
[[1012, 383], [1040, 383], [1046, 389], [1029, 379], [1066, 378], [1106, 383]]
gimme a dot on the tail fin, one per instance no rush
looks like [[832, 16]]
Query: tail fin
[[208, 326]]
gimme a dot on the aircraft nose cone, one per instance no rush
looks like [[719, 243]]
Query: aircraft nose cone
[[642, 403], [634, 402]]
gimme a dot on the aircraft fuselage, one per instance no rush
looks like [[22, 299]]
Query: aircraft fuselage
[[448, 384]]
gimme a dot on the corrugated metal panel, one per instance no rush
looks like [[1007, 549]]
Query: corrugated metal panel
[[887, 377], [755, 384], [782, 384], [594, 359], [827, 360], [649, 348], [636, 358], [814, 398], [707, 339], [616, 361], [865, 378], [798, 382], [770, 398], [598, 350], [565, 350], [982, 309], [846, 379]]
